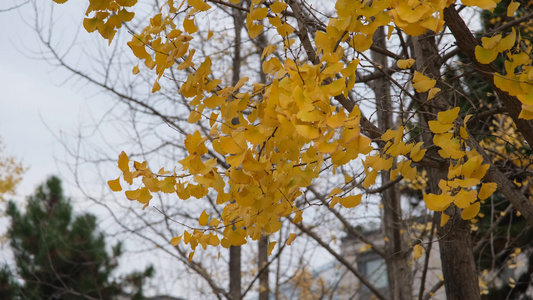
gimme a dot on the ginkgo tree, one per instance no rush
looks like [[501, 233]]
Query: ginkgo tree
[[276, 138], [12, 171]]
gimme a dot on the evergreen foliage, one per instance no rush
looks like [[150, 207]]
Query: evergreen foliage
[[60, 255]]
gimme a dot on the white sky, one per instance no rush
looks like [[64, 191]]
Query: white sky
[[35, 106]]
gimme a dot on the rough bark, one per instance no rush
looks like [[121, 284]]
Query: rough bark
[[398, 271], [235, 272], [456, 250], [235, 251], [262, 264], [262, 259]]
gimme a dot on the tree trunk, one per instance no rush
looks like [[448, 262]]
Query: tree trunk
[[398, 271], [456, 250], [235, 272], [262, 264], [235, 251]]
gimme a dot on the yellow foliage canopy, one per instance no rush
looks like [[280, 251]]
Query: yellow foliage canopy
[[292, 126]]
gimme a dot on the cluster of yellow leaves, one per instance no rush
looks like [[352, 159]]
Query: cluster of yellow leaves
[[518, 80], [415, 17], [422, 84], [508, 145], [418, 184], [484, 4], [518, 77], [417, 231], [11, 173], [290, 127], [274, 150], [464, 173], [394, 147], [107, 16], [507, 142]]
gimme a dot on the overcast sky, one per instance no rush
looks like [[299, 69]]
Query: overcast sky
[[35, 103]]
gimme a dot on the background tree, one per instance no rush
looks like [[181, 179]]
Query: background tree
[[11, 173], [59, 255]]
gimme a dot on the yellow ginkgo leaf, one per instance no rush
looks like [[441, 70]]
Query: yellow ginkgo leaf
[[291, 239], [239, 177], [307, 131], [351, 201], [334, 201], [438, 202], [417, 251], [214, 101], [123, 161], [486, 190], [370, 179], [405, 63], [507, 42], [512, 7], [416, 153], [189, 26], [204, 218], [254, 30], [229, 145], [213, 240], [297, 217], [144, 196], [388, 135], [422, 83], [194, 117], [438, 127], [241, 82], [485, 56], [448, 116], [527, 112], [132, 195], [329, 148], [490, 43], [465, 198], [199, 5], [278, 6], [444, 219], [484, 4], [268, 50], [175, 240], [271, 246], [470, 211], [433, 92], [156, 87], [91, 24], [362, 42], [125, 16], [114, 185], [135, 70]]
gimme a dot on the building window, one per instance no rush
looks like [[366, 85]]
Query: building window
[[374, 269]]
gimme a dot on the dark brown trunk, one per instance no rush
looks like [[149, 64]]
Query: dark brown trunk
[[235, 272], [398, 271], [235, 251], [456, 250], [262, 264]]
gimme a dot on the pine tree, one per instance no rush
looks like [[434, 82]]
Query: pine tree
[[59, 255]]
